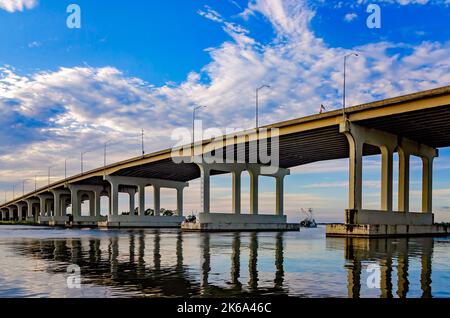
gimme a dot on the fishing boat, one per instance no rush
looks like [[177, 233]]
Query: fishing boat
[[308, 221]]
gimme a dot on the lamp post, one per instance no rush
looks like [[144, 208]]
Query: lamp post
[[257, 103], [49, 171], [82, 158], [345, 74], [193, 122], [142, 139], [104, 151], [23, 186]]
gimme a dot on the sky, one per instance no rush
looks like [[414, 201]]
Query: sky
[[145, 64]]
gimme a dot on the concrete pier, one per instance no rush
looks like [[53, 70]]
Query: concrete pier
[[211, 221], [383, 230], [387, 222], [222, 222], [137, 221]]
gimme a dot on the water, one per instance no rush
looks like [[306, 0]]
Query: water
[[168, 263]]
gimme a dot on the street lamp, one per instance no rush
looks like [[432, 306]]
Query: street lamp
[[65, 169], [142, 140], [23, 186], [345, 74], [104, 151], [257, 103], [49, 170], [82, 155], [193, 121]]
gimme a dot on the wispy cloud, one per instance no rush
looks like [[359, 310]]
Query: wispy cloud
[[17, 5], [350, 17]]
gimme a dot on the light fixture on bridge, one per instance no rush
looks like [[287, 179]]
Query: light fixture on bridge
[[257, 103], [344, 85], [193, 122], [82, 158]]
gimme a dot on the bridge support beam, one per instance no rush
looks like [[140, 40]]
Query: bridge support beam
[[387, 216], [21, 216], [32, 204], [78, 192], [59, 212], [132, 185], [45, 208], [208, 221]]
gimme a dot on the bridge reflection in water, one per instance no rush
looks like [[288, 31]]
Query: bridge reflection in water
[[383, 252], [136, 265], [102, 263]]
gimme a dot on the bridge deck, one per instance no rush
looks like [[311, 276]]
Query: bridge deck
[[423, 117]]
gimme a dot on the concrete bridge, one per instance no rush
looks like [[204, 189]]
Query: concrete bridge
[[410, 125]]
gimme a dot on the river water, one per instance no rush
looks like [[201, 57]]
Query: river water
[[52, 262]]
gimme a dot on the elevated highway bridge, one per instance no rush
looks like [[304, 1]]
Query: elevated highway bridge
[[416, 124]]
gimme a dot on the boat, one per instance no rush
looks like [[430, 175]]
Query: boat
[[308, 221]]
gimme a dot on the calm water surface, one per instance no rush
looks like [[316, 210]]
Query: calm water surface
[[168, 263]]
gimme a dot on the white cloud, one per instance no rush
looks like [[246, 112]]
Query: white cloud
[[17, 5], [350, 17], [34, 44]]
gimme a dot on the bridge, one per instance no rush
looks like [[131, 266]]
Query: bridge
[[411, 125]]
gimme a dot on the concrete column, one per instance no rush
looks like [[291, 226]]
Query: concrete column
[[141, 189], [132, 193], [427, 184], [236, 192], [403, 180], [180, 201], [62, 206], [114, 199], [57, 200], [355, 174], [19, 212], [29, 209], [11, 213], [386, 178], [205, 189], [76, 204], [254, 192], [42, 206], [97, 205], [279, 195], [157, 200], [92, 204]]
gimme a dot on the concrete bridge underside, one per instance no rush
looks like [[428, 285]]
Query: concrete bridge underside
[[415, 124]]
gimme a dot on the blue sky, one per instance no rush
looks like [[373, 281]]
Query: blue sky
[[144, 64]]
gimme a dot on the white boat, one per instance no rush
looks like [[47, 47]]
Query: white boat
[[309, 220]]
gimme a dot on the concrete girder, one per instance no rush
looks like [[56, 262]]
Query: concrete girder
[[388, 143], [236, 169], [129, 184]]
